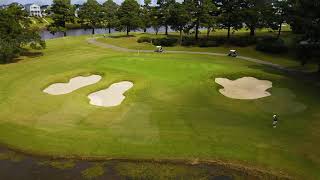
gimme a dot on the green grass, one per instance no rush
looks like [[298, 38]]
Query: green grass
[[286, 60], [174, 110]]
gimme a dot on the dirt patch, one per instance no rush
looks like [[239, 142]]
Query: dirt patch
[[112, 96], [244, 88], [74, 84]]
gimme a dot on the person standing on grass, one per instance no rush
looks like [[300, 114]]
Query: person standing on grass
[[275, 121]]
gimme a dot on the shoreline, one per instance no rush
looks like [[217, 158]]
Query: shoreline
[[257, 172]]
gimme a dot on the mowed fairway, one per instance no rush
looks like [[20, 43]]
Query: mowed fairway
[[173, 111]]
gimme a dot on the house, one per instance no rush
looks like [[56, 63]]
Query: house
[[33, 9]]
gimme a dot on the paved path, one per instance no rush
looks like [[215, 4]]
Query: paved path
[[117, 48]]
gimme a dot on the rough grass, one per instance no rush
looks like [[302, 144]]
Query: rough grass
[[174, 111], [58, 164], [93, 172]]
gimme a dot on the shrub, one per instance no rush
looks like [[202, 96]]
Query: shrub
[[271, 45], [219, 39], [164, 41], [188, 42], [144, 39], [243, 41], [208, 44]]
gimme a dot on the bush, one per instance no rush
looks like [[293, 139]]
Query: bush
[[144, 39], [219, 39], [243, 41], [164, 41], [271, 45], [187, 41], [209, 44]]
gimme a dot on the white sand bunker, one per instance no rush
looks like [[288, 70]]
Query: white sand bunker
[[244, 88], [112, 96], [74, 84]]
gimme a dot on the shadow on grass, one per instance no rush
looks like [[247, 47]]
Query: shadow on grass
[[30, 54], [121, 36]]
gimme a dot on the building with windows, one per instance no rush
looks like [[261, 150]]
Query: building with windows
[[33, 9]]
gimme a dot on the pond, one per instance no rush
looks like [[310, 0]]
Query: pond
[[16, 166], [77, 32]]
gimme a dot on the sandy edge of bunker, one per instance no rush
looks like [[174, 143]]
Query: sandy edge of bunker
[[245, 88], [112, 95], [73, 84]]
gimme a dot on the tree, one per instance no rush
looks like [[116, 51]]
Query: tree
[[307, 19], [252, 14], [63, 12], [201, 12], [91, 14], [164, 8], [208, 16], [145, 14], [179, 17], [16, 33], [109, 9], [282, 9], [155, 20], [128, 15], [229, 14]]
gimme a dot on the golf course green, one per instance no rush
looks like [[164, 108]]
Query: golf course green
[[174, 111]]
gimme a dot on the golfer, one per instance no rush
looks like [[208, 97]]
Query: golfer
[[275, 121]]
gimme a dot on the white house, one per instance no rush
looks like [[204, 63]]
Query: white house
[[33, 10]]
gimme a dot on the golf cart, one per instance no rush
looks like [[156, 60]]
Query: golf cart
[[158, 49], [233, 53]]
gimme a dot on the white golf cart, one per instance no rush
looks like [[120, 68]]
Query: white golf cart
[[233, 53], [158, 49]]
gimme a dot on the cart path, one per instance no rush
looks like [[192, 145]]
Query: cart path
[[117, 48]]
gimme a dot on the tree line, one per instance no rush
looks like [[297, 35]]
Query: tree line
[[188, 15]]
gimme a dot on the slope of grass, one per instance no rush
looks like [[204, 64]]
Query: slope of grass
[[174, 110]]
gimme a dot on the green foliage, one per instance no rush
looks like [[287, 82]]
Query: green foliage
[[128, 15], [109, 10], [229, 14], [307, 18], [155, 19], [277, 13], [179, 17], [91, 14], [202, 14], [209, 44], [63, 12], [252, 14], [164, 12], [16, 33], [145, 14], [144, 39], [242, 41], [271, 45], [167, 41]]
